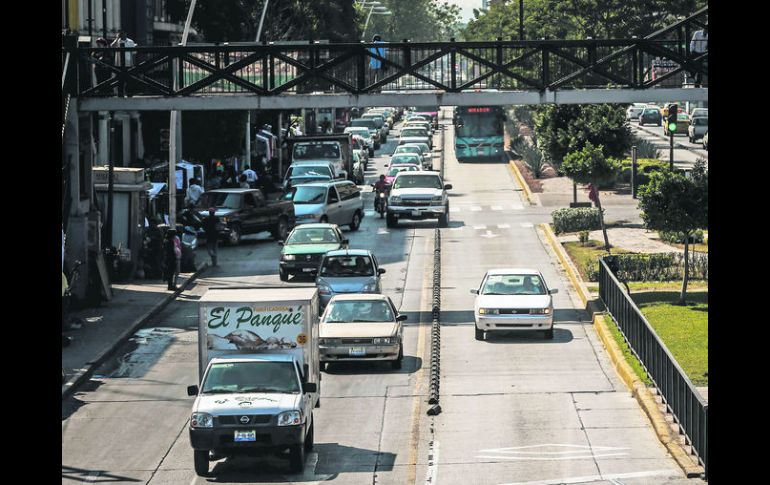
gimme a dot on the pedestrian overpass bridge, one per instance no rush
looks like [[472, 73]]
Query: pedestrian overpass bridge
[[659, 67]]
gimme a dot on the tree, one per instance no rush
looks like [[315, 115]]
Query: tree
[[416, 20], [590, 166], [566, 128], [673, 202]]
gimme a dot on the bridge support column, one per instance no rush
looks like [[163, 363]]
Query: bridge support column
[[179, 152], [125, 138], [139, 139], [104, 140], [247, 159]]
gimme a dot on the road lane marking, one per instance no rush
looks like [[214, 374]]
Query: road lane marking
[[518, 207], [431, 476], [497, 208], [527, 224], [503, 226], [489, 234], [479, 228], [454, 209], [593, 478], [475, 208]]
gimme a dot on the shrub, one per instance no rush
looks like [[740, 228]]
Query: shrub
[[532, 157], [646, 149], [673, 237], [583, 235], [575, 219], [644, 168], [658, 266]]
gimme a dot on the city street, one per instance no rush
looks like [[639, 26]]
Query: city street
[[683, 157], [516, 408]]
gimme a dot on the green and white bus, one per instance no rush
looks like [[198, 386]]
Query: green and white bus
[[479, 133]]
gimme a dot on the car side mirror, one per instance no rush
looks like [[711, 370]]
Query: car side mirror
[[192, 390], [380, 270], [475, 291], [448, 187], [310, 387], [553, 291], [401, 318]]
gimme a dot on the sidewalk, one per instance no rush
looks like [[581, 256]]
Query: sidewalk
[[106, 327]]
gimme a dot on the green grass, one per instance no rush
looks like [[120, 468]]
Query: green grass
[[586, 258], [635, 286], [683, 328], [627, 354]]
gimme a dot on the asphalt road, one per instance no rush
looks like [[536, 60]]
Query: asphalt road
[[685, 153], [517, 408]]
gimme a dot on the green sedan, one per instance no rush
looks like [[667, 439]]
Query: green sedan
[[304, 248]]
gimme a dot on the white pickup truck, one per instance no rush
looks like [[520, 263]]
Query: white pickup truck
[[259, 374], [418, 195]]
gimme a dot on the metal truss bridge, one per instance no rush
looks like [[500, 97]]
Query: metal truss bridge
[[659, 67]]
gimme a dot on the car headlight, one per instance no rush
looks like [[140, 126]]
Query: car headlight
[[288, 257], [382, 340], [539, 311], [225, 220], [309, 216], [489, 311], [394, 200], [290, 418], [202, 420], [369, 287], [324, 290], [437, 198]]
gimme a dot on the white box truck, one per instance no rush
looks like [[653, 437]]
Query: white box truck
[[259, 374]]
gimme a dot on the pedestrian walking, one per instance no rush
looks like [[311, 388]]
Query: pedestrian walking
[[172, 251], [375, 63], [194, 192], [251, 176], [101, 71], [698, 46], [212, 235]]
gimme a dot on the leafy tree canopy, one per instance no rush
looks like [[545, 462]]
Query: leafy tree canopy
[[673, 202], [590, 166], [416, 20]]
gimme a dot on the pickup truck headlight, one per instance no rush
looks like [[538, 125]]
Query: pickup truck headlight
[[202, 420], [489, 311], [540, 311], [437, 198], [288, 257], [394, 200], [290, 418], [382, 340]]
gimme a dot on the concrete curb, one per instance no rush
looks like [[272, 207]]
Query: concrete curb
[[74, 381], [676, 143], [646, 400], [638, 390], [519, 179]]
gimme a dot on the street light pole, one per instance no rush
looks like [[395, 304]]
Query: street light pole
[[262, 20]]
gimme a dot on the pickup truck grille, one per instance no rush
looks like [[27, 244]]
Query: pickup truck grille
[[236, 420], [356, 341], [514, 311], [416, 202]]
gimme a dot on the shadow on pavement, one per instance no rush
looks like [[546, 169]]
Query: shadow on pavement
[[92, 476], [560, 336], [410, 365]]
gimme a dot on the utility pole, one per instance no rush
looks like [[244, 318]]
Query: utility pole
[[633, 172]]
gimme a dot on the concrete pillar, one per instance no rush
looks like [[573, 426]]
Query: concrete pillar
[[179, 151], [104, 138], [110, 24], [248, 139], [116, 15], [139, 140], [123, 152]]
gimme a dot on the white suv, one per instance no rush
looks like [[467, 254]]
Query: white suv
[[418, 195]]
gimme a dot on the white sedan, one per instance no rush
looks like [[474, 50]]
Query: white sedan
[[513, 299]]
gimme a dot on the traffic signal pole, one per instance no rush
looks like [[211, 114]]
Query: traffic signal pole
[[671, 119], [671, 150]]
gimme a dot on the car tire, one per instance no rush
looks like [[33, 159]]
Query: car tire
[[396, 364], [479, 333], [310, 438], [283, 275], [356, 222], [391, 221], [281, 229], [235, 235], [201, 462], [549, 334], [443, 221], [297, 458]]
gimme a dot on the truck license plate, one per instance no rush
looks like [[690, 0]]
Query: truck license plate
[[357, 351], [246, 435], [307, 270], [416, 213]]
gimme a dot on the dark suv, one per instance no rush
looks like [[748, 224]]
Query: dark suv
[[650, 116], [246, 211]]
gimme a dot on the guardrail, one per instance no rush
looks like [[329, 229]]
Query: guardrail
[[680, 396]]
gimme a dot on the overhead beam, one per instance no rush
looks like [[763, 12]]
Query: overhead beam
[[238, 102]]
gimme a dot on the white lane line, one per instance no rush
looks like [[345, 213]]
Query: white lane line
[[503, 226], [454, 209], [497, 208], [527, 224], [479, 228], [475, 208], [91, 477], [459, 228], [432, 474], [549, 458], [593, 478], [518, 207]]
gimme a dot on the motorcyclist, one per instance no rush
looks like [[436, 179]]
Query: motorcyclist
[[380, 186]]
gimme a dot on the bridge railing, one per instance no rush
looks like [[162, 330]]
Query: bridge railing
[[269, 70], [680, 396]]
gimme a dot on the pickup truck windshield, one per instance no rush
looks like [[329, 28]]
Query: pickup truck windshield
[[401, 168], [513, 285], [313, 236], [222, 199], [359, 311], [239, 377], [417, 182], [308, 194], [306, 151]]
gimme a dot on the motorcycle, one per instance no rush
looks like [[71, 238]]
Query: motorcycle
[[191, 223], [380, 200]]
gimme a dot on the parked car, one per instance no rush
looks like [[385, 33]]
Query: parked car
[[246, 211], [337, 202], [650, 116], [513, 300], [304, 248], [348, 271], [698, 128], [306, 172], [682, 124], [418, 195], [361, 327]]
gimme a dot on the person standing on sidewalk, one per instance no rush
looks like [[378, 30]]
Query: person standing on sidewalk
[[212, 235], [172, 251], [251, 176]]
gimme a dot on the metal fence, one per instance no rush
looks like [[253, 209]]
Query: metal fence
[[681, 398]]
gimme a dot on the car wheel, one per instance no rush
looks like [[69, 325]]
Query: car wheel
[[356, 222], [443, 221], [283, 275], [391, 221], [201, 461], [281, 230], [396, 364], [549, 334], [235, 235], [310, 438], [297, 458], [479, 333]]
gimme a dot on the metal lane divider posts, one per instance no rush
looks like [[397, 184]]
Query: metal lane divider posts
[[680, 396]]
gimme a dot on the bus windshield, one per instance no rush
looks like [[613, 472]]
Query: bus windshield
[[479, 125]]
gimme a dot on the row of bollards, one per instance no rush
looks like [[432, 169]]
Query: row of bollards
[[435, 339]]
